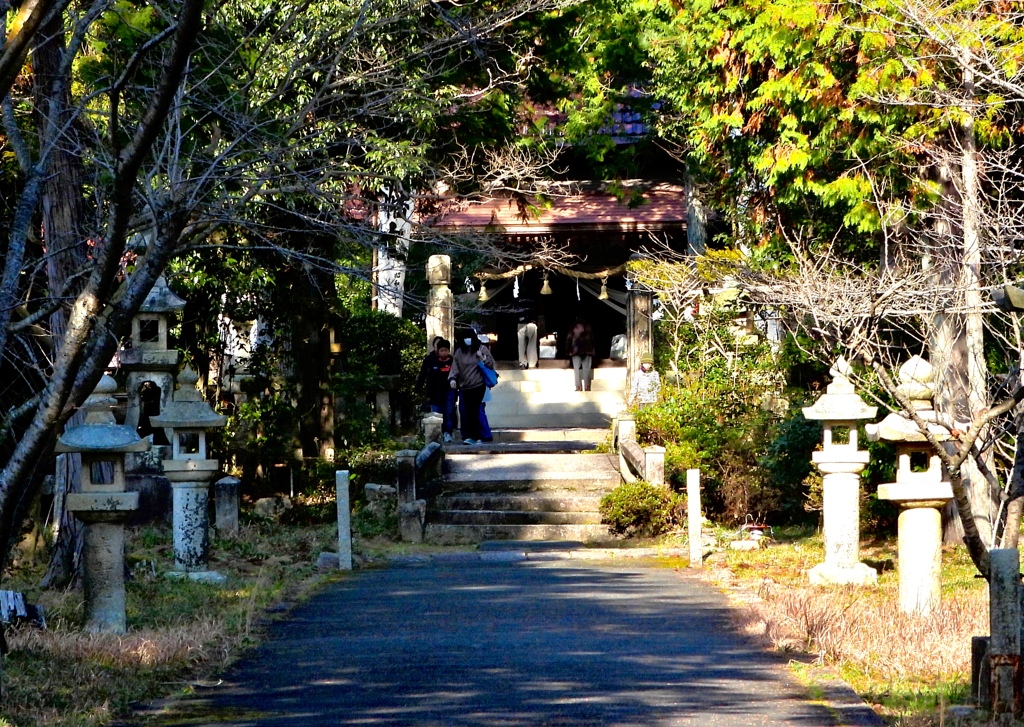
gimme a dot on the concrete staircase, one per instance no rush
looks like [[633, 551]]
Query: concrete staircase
[[547, 398], [528, 485]]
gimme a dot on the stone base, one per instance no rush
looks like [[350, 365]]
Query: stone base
[[199, 576], [857, 574]]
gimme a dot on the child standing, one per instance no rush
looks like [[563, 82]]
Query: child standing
[[434, 373]]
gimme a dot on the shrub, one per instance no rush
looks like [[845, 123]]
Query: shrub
[[641, 509]]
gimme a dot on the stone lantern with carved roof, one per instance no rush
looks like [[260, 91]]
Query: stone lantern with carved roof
[[103, 505], [841, 463], [921, 488], [149, 359], [188, 417]]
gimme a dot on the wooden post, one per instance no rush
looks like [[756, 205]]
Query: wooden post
[[344, 520], [693, 519], [1004, 641]]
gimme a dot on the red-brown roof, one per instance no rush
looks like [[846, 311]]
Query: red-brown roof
[[662, 205]]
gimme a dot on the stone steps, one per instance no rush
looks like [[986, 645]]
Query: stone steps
[[523, 495], [441, 534], [547, 398]]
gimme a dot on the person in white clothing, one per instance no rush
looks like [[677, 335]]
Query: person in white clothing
[[646, 384]]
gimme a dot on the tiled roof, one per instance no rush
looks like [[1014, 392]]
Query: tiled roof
[[663, 205]]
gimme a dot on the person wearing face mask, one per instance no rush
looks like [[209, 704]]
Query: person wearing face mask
[[465, 377], [646, 384]]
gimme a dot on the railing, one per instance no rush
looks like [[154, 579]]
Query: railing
[[636, 462], [415, 469]]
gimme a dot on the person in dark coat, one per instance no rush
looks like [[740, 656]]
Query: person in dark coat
[[434, 376], [579, 346]]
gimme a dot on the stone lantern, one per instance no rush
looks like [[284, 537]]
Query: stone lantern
[[149, 359], [921, 489], [840, 463], [189, 418], [103, 505]]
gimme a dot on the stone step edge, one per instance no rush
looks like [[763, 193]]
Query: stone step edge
[[516, 556]]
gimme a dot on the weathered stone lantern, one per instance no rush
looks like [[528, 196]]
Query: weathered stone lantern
[[149, 359], [921, 489], [841, 463], [103, 505], [189, 418]]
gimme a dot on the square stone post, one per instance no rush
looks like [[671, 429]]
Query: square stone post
[[226, 503], [440, 318], [344, 520]]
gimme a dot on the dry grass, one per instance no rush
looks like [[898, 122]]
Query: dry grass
[[909, 668], [180, 632]]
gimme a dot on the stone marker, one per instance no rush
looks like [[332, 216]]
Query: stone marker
[[344, 520], [1004, 610], [432, 425], [693, 518], [840, 464], [412, 520], [920, 494], [225, 498]]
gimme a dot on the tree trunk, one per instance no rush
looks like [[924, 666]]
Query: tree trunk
[[64, 225]]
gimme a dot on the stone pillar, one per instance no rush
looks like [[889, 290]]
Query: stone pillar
[[1004, 642], [840, 463], [104, 516], [440, 319], [226, 503], [920, 556], [654, 465], [639, 331], [406, 460], [191, 526], [344, 520], [433, 426], [694, 518]]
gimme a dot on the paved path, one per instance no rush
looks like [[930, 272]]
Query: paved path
[[526, 643]]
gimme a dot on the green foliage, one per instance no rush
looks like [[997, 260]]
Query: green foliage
[[786, 463], [377, 518], [379, 352], [640, 509]]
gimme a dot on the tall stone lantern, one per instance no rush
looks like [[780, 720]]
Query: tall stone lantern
[[103, 505], [149, 359], [189, 418], [921, 489], [841, 463]]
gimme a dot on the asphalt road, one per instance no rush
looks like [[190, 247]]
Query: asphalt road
[[526, 643]]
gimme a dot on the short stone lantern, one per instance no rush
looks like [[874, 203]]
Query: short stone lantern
[[103, 505], [921, 489], [841, 463], [190, 471]]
